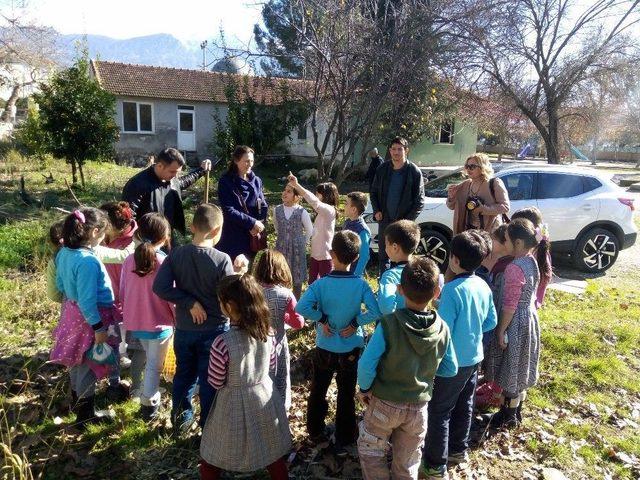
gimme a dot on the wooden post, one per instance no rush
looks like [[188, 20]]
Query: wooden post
[[206, 187]]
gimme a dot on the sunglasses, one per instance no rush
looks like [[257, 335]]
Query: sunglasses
[[471, 166]]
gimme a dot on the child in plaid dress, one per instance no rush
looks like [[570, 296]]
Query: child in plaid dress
[[293, 231], [247, 428], [272, 272]]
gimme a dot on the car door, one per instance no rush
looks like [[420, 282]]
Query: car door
[[565, 206], [521, 188]]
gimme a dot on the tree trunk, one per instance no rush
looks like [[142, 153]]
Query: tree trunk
[[74, 175], [11, 102], [551, 140], [594, 150], [81, 173]]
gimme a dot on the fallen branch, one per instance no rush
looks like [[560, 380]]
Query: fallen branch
[[62, 210], [72, 194]]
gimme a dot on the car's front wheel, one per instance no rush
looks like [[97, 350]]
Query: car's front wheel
[[596, 251], [435, 246]]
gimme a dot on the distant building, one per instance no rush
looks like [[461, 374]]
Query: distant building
[[159, 107]]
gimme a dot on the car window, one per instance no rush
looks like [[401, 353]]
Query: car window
[[519, 185], [559, 185], [591, 183], [438, 188]]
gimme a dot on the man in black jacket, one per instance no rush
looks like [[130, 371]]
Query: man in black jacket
[[159, 189], [397, 193]]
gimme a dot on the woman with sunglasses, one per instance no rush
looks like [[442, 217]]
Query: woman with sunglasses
[[481, 200]]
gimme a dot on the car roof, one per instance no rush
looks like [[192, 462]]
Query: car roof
[[550, 168]]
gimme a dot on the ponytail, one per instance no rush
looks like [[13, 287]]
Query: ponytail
[[543, 252], [145, 258], [153, 229]]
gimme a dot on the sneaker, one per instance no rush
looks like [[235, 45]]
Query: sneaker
[[149, 412], [118, 392], [458, 458], [339, 450], [183, 422], [434, 473]]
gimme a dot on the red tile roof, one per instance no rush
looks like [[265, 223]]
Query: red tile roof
[[183, 84]]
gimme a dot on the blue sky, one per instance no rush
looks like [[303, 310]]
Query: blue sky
[[189, 20]]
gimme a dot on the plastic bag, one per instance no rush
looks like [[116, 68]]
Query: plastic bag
[[102, 354], [169, 367]]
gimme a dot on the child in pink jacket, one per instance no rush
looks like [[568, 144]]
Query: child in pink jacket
[[146, 316]]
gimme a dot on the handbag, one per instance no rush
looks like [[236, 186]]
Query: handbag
[[259, 241]]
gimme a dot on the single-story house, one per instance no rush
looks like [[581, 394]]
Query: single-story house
[[160, 107]]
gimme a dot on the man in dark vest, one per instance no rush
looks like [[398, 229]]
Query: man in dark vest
[[397, 193], [159, 189]]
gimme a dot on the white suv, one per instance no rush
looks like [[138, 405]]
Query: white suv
[[590, 218]]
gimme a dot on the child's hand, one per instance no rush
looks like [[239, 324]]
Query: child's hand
[[101, 337], [292, 179], [241, 264], [198, 313], [501, 339], [326, 330], [364, 397], [378, 216], [348, 331]]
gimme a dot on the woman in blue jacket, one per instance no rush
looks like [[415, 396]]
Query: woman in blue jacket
[[243, 204]]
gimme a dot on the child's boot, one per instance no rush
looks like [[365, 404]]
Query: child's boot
[[118, 392], [523, 396], [507, 416], [86, 413]]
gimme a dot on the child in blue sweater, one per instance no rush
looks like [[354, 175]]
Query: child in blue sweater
[[466, 305], [334, 303], [401, 239], [353, 210]]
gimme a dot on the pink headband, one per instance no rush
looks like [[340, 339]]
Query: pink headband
[[79, 215]]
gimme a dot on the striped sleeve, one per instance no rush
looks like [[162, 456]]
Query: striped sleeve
[[218, 363]]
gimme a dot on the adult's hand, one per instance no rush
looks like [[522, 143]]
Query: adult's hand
[[378, 216], [206, 165], [258, 227], [198, 313], [452, 190]]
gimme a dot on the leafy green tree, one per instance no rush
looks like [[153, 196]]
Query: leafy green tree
[[260, 116], [29, 135], [77, 117]]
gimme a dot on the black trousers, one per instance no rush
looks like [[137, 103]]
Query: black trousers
[[345, 366]]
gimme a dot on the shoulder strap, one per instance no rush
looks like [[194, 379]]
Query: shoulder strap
[[492, 188]]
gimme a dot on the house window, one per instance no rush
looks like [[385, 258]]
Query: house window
[[446, 132], [302, 132], [137, 117]]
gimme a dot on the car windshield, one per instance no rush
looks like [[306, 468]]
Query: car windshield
[[438, 187]]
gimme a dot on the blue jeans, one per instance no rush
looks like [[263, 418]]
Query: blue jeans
[[192, 349], [450, 414]]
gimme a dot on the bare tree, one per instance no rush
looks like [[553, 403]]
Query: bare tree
[[28, 51], [371, 67], [539, 52]]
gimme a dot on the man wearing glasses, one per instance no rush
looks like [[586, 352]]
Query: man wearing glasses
[[397, 193]]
